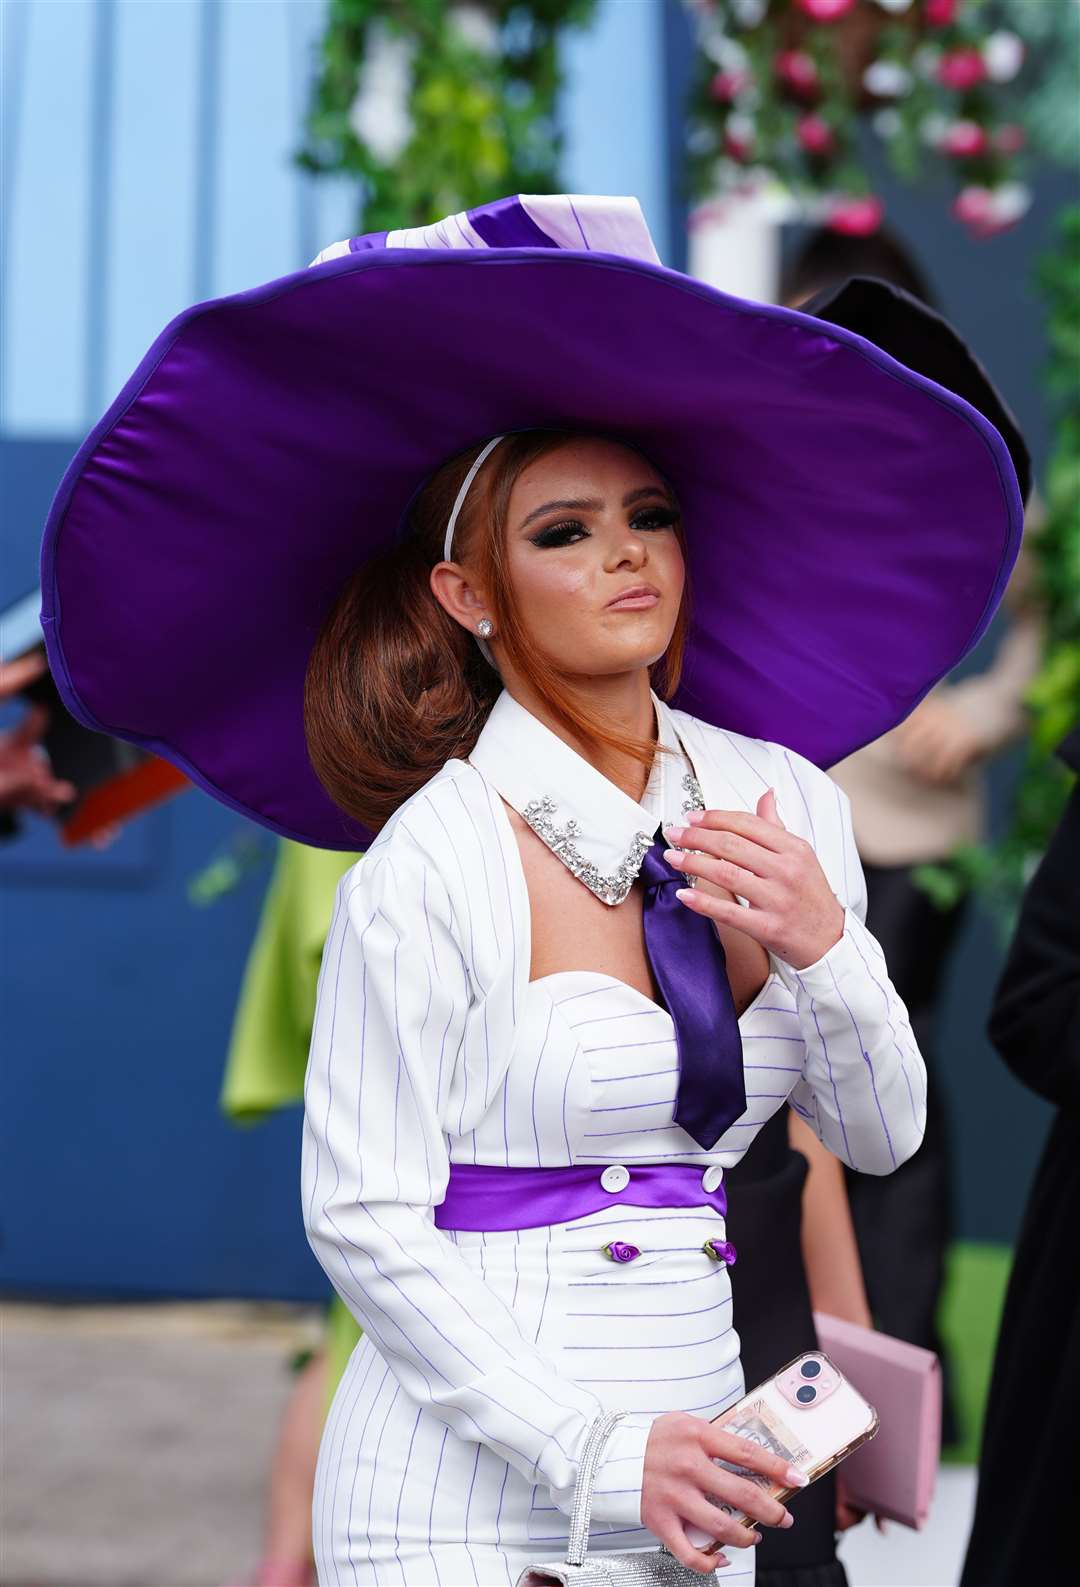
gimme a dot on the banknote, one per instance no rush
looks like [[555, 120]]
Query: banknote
[[758, 1422]]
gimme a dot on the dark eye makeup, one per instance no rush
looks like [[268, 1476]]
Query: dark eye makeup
[[568, 530]]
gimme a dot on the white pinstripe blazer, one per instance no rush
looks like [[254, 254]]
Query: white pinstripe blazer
[[429, 1048]]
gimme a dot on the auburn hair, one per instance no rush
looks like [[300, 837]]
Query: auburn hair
[[395, 687]]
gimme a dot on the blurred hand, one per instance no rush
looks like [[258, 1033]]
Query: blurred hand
[[847, 1514], [26, 779], [936, 743], [15, 675]]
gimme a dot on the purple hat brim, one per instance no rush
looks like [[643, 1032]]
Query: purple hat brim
[[851, 524]]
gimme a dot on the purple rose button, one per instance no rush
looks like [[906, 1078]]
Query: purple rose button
[[620, 1250], [721, 1251]]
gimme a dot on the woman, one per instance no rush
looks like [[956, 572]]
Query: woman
[[518, 944], [467, 929]]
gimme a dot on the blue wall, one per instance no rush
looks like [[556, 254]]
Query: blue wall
[[146, 165]]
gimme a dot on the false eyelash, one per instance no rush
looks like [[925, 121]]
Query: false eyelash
[[554, 534]]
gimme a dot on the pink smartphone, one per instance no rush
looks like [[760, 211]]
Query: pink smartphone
[[809, 1414]]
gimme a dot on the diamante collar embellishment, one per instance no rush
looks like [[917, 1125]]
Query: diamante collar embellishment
[[562, 841], [611, 889], [695, 799]]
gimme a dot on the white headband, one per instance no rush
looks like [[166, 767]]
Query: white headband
[[448, 542]]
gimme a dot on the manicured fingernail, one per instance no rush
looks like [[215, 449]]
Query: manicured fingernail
[[789, 1520], [719, 1561], [675, 856], [694, 818], [796, 1478], [674, 834], [684, 893], [755, 1537]]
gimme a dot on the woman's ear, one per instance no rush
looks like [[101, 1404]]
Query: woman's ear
[[456, 593]]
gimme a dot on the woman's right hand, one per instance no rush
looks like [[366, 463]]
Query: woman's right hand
[[679, 1472]]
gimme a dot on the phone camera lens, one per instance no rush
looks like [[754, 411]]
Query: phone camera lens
[[806, 1394], [810, 1369]]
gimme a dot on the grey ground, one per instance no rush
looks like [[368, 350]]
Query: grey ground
[[136, 1441]]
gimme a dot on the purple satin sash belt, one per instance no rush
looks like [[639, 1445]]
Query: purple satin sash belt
[[485, 1196]]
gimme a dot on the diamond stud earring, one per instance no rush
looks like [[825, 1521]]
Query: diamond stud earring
[[485, 628]]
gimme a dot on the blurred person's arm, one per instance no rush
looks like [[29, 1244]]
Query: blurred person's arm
[[993, 701], [962, 723], [830, 1252], [831, 1257]]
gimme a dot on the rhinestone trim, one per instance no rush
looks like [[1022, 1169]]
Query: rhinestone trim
[[562, 841], [695, 800], [691, 786], [610, 889]]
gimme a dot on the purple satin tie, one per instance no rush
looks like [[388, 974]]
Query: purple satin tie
[[690, 967]]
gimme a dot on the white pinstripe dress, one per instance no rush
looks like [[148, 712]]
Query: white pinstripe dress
[[451, 1448]]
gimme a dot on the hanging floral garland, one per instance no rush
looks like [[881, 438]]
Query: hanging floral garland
[[782, 87], [437, 105]]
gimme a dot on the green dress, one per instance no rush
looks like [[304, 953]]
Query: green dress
[[271, 1032]]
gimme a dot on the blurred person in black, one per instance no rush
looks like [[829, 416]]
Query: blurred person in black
[[916, 794], [1029, 1470]]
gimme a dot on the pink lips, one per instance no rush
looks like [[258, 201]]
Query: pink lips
[[639, 598]]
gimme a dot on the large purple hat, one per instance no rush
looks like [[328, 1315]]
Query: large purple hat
[[851, 521]]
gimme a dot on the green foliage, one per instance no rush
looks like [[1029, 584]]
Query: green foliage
[[478, 116]]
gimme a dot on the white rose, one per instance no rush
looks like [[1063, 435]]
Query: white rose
[[933, 128], [728, 54], [1003, 54], [925, 60], [886, 123], [475, 27], [1009, 201], [887, 79], [748, 13], [379, 113]]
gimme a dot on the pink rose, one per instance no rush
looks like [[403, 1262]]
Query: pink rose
[[796, 70], [939, 13], [961, 68], [986, 211], [815, 135], [972, 205], [739, 145], [727, 86], [1010, 138], [856, 217], [825, 10], [964, 140]]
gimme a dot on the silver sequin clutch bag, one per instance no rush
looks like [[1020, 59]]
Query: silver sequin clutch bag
[[634, 1568]]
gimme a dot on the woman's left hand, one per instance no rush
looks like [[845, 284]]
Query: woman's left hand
[[793, 912]]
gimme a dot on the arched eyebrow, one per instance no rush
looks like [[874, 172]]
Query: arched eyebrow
[[592, 503]]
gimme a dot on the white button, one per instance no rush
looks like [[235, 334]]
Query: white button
[[616, 1177], [712, 1177]]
